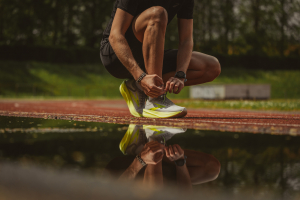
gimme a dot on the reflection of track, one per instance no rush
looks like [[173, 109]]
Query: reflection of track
[[116, 111]]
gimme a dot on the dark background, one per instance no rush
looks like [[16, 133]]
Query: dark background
[[262, 34]]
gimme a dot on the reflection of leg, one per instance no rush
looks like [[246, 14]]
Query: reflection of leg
[[202, 68], [153, 176], [202, 167], [149, 28]]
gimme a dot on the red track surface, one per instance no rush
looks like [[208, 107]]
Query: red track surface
[[116, 111]]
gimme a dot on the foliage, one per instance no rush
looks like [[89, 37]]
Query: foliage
[[228, 27]]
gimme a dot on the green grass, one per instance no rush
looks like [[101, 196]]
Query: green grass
[[278, 104], [32, 79], [35, 79], [284, 83]]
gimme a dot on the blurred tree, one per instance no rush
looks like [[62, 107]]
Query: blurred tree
[[228, 27]]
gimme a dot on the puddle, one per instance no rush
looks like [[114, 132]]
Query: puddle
[[256, 164]]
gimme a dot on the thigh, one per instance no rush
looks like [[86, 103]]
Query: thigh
[[112, 64], [140, 22], [201, 61]]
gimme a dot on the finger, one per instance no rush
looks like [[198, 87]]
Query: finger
[[167, 151], [159, 79], [171, 86], [171, 151], [176, 86], [167, 85], [155, 88], [179, 149], [176, 152], [158, 159], [151, 143], [154, 94], [158, 146], [158, 151], [179, 88]]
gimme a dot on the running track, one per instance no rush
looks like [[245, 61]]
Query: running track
[[116, 111]]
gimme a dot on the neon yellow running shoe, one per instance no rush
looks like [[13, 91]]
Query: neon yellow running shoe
[[161, 133], [134, 97], [162, 107], [134, 140]]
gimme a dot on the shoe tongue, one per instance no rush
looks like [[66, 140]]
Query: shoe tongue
[[138, 86], [161, 100]]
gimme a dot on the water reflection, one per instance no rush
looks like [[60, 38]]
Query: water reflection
[[251, 164], [149, 159]]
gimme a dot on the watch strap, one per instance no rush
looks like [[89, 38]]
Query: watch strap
[[181, 162], [141, 77], [141, 160], [183, 75]]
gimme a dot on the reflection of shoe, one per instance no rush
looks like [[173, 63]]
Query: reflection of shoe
[[161, 133], [134, 97], [162, 107], [133, 140]]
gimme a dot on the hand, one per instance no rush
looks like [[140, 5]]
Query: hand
[[152, 85], [174, 85], [152, 153], [174, 152]]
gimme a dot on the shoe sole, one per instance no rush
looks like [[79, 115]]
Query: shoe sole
[[126, 139], [156, 114], [125, 93]]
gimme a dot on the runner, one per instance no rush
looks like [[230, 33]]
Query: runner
[[132, 48]]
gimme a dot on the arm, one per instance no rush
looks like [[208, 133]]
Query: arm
[[174, 153], [202, 167], [183, 177], [185, 48], [121, 23], [151, 154], [184, 55], [131, 172]]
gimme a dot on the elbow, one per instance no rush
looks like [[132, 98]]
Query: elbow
[[188, 42], [111, 38]]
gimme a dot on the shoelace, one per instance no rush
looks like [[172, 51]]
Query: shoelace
[[164, 96]]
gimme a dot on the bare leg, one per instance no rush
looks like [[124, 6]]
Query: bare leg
[[202, 167], [153, 176], [202, 68], [150, 28]]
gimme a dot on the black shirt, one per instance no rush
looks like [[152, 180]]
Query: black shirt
[[183, 9]]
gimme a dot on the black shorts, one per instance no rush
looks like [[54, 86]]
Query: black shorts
[[118, 70]]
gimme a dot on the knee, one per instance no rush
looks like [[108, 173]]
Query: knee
[[214, 67], [158, 15], [213, 168]]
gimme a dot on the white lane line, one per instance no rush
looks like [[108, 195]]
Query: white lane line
[[249, 123]]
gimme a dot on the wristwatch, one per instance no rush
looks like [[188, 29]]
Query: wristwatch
[[181, 74], [181, 162]]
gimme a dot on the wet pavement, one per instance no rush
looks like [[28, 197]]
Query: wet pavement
[[238, 164], [116, 111]]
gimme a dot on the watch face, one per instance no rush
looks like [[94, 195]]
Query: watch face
[[180, 74], [180, 162]]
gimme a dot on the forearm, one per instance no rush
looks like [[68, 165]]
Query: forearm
[[153, 175], [183, 177], [123, 52], [184, 55], [131, 172]]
